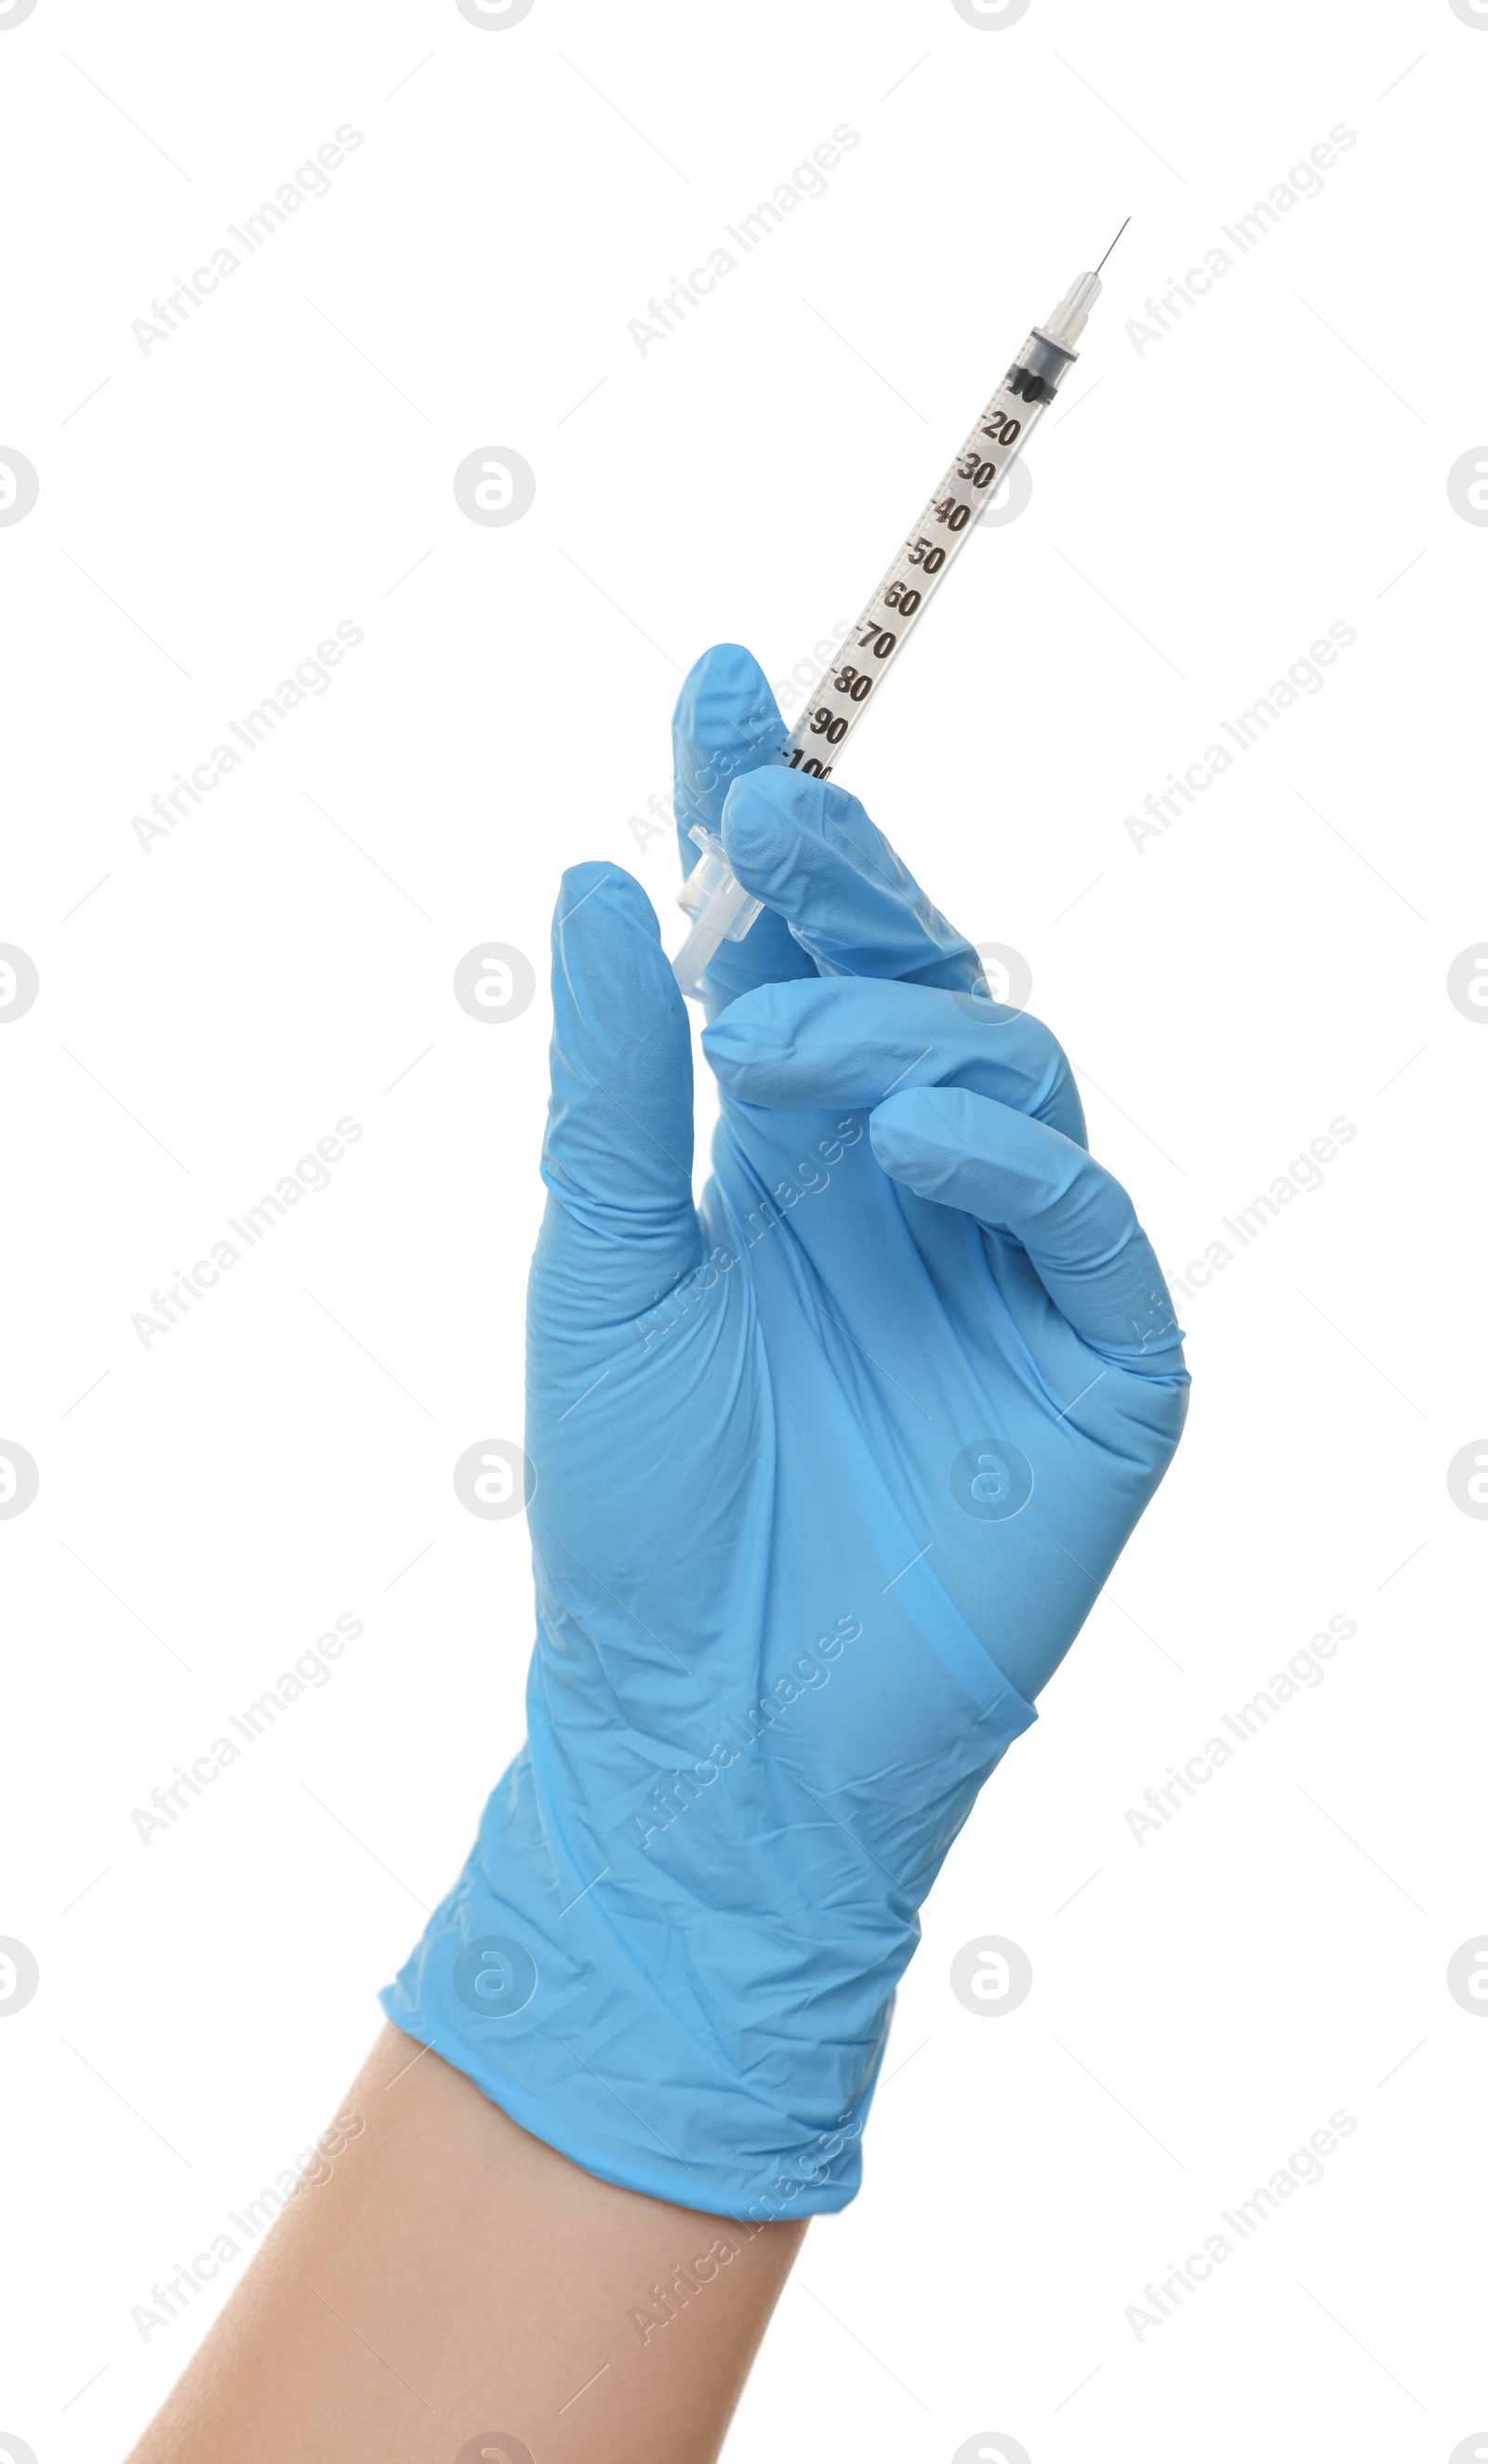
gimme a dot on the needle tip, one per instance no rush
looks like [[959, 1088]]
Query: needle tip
[[1113, 244]]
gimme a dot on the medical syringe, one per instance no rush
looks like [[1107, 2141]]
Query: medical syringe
[[720, 906]]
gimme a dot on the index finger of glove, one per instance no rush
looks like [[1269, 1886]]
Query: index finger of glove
[[727, 723], [810, 851], [849, 1045]]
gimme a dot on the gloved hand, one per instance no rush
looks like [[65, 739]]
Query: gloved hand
[[829, 1472]]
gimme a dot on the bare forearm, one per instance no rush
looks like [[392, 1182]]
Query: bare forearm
[[455, 2277]]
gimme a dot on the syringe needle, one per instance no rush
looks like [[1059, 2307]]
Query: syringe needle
[[1113, 243]]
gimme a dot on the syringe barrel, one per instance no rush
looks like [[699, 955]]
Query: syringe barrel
[[974, 478]]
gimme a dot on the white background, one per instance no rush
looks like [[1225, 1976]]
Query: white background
[[1203, 508]]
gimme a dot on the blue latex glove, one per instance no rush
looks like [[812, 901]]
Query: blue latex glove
[[829, 1473]]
